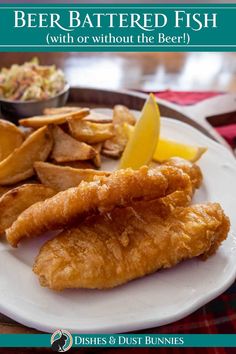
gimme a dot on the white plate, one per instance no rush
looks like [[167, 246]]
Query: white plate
[[155, 300]]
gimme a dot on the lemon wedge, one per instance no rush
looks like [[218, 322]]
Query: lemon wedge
[[168, 148], [165, 148], [143, 141]]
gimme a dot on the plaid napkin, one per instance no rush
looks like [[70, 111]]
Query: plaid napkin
[[186, 98], [218, 316]]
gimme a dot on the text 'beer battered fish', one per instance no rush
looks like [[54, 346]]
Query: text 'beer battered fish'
[[109, 250], [121, 188]]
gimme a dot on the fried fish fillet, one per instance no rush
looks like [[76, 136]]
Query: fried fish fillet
[[184, 197], [188, 167], [99, 196], [112, 249]]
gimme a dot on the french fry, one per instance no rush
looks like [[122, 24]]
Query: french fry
[[60, 110], [90, 132], [67, 148], [40, 121], [16, 200], [96, 117], [19, 165], [64, 177], [115, 146], [10, 138]]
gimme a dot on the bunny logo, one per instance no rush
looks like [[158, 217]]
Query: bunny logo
[[61, 341]]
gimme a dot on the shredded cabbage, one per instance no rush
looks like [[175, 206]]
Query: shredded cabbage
[[31, 81]]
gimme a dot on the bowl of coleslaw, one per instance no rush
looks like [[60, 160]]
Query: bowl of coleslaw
[[27, 89]]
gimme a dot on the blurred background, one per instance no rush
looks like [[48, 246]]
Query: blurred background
[[205, 71]]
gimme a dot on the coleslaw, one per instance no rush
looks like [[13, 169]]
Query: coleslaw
[[31, 81]]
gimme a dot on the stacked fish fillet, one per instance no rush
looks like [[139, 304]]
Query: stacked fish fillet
[[121, 227]]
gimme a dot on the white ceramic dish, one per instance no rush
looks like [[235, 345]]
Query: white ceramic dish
[[155, 300]]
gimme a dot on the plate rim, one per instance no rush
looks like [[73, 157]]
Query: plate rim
[[137, 324]]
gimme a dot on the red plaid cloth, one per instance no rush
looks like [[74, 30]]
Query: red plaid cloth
[[229, 133], [182, 98]]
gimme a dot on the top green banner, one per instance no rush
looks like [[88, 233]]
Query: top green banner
[[128, 27]]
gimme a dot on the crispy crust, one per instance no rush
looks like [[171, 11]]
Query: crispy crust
[[112, 249], [75, 204]]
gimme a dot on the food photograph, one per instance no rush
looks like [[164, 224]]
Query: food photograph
[[117, 198]]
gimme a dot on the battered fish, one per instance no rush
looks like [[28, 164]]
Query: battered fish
[[184, 197], [112, 249], [188, 167], [121, 188]]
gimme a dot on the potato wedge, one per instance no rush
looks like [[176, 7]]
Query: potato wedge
[[67, 148], [97, 158], [122, 114], [10, 138], [115, 146], [90, 132], [64, 177], [112, 150], [19, 165], [27, 131], [77, 164], [96, 117], [60, 110], [5, 189], [40, 121], [18, 199]]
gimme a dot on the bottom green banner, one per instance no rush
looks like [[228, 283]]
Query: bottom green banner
[[62, 340]]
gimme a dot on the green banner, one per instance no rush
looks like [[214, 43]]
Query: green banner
[[128, 27], [118, 340]]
